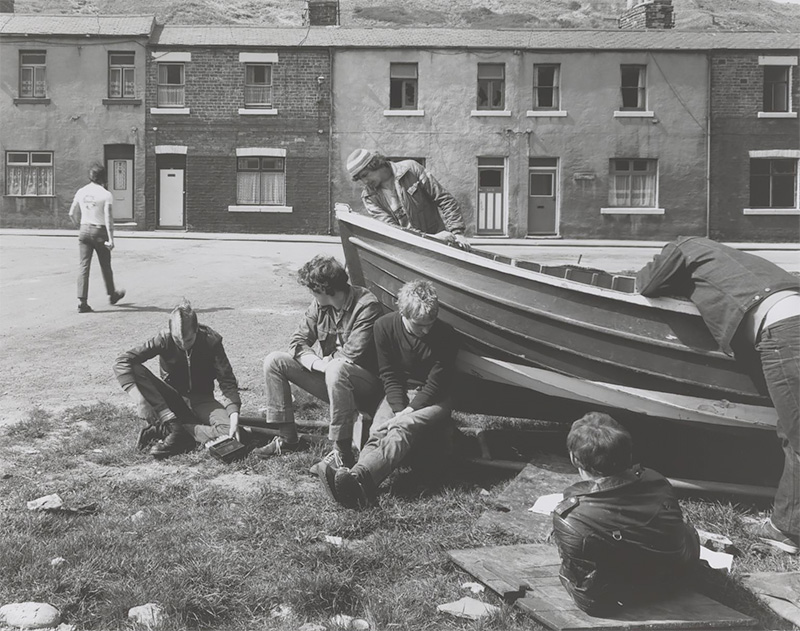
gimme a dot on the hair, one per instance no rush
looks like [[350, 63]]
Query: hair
[[97, 174], [184, 314], [417, 300], [600, 445], [378, 162], [323, 275]]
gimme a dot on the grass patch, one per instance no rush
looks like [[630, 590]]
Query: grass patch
[[400, 15]]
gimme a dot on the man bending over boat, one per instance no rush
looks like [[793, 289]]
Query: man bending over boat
[[747, 303], [331, 355], [620, 531], [416, 363], [405, 194]]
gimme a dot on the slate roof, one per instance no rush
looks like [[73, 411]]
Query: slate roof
[[344, 37], [47, 24]]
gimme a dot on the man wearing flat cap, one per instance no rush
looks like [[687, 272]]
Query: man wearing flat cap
[[405, 194]]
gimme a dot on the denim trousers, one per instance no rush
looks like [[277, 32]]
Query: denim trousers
[[91, 239], [779, 348], [347, 388], [392, 437], [200, 414]]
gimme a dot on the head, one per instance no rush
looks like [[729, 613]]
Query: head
[[326, 278], [97, 174], [367, 167], [599, 445], [183, 325], [418, 304]]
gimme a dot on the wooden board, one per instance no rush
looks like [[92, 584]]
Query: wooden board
[[535, 567], [547, 474], [780, 591]]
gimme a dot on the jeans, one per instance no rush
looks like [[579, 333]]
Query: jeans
[[779, 347], [200, 414], [348, 388], [93, 238], [391, 437]]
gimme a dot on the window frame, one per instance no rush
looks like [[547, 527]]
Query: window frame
[[555, 87], [399, 84], [34, 68], [267, 85], [770, 176], [488, 85], [640, 88], [261, 168], [181, 85], [123, 69], [615, 172], [30, 163], [768, 106]]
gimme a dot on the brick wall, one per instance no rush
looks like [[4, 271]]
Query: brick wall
[[656, 14]]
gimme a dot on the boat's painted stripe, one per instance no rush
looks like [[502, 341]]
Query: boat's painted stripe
[[397, 234], [647, 402]]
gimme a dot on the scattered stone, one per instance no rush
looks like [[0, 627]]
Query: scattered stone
[[149, 614], [359, 624], [334, 541], [29, 615], [341, 621], [66, 627], [469, 608], [475, 588], [281, 611], [311, 626], [137, 516], [58, 561], [46, 502], [485, 492]]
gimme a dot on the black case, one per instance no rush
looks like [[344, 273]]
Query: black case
[[228, 450]]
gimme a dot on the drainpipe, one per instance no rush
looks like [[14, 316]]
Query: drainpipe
[[708, 145], [330, 141]]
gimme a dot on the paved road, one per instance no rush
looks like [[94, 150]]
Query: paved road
[[56, 358]]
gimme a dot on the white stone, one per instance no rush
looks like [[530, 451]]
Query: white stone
[[66, 627], [359, 624], [341, 621], [310, 626], [137, 516], [149, 614], [30, 615], [58, 561], [46, 502]]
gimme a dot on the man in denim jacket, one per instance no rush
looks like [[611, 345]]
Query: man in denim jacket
[[747, 303], [331, 355]]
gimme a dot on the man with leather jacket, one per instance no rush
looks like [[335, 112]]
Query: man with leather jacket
[[620, 531]]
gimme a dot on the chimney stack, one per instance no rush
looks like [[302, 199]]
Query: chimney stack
[[650, 14], [6, 6], [323, 12]]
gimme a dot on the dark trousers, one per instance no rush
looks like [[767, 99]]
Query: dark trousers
[[779, 347], [93, 238]]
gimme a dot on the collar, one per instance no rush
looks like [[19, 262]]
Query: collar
[[350, 298], [608, 483]]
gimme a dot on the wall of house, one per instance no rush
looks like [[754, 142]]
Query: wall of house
[[737, 82], [74, 124], [213, 130], [584, 140]]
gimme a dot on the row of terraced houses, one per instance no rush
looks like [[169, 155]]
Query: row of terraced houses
[[628, 134]]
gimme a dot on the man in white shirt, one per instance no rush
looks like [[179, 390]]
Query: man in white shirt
[[96, 235]]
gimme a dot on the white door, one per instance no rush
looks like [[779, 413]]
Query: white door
[[170, 198], [120, 185]]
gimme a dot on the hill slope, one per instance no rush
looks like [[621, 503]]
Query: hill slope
[[696, 15]]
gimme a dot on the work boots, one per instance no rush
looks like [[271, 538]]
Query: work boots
[[177, 441]]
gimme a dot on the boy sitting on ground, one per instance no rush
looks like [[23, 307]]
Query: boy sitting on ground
[[620, 531]]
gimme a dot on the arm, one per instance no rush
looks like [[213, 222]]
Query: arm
[[229, 387], [389, 369], [441, 374], [302, 340], [449, 208], [658, 275], [109, 219], [123, 366], [73, 211], [360, 339]]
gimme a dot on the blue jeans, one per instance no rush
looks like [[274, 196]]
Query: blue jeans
[[93, 238], [779, 347]]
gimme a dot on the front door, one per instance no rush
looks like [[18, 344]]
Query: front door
[[542, 178], [170, 198], [491, 198], [119, 173]]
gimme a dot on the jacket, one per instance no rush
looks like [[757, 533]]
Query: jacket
[[429, 207], [721, 281], [189, 373], [622, 539], [348, 336]]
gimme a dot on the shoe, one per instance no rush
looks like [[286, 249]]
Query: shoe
[[327, 476], [278, 446], [116, 296], [178, 441], [335, 459], [84, 308], [768, 533], [148, 435], [349, 491]]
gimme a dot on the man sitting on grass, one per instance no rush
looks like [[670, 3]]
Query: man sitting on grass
[[620, 531], [416, 362], [331, 355], [191, 356]]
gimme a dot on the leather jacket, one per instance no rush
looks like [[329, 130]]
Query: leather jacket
[[622, 539], [723, 282], [428, 206]]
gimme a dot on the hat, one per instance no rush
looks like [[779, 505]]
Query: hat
[[358, 160]]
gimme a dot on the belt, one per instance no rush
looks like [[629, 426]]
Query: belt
[[93, 225]]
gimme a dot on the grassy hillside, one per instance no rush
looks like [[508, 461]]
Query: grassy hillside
[[701, 15]]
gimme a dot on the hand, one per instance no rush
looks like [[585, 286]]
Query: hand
[[461, 241], [445, 235], [233, 431], [109, 245]]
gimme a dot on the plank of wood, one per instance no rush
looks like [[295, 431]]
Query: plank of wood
[[536, 567]]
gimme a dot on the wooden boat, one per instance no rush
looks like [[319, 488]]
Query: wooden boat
[[564, 331]]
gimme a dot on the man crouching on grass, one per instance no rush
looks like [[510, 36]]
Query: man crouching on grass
[[416, 363], [191, 357]]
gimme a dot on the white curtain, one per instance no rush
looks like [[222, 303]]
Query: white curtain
[[273, 189], [247, 188]]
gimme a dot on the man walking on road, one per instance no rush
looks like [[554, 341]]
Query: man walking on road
[[96, 235]]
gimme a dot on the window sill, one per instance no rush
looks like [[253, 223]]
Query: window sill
[[634, 114], [259, 209], [169, 110], [777, 114], [404, 112], [122, 101], [489, 113], [542, 113], [27, 101], [631, 211], [30, 196], [771, 211], [253, 111]]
